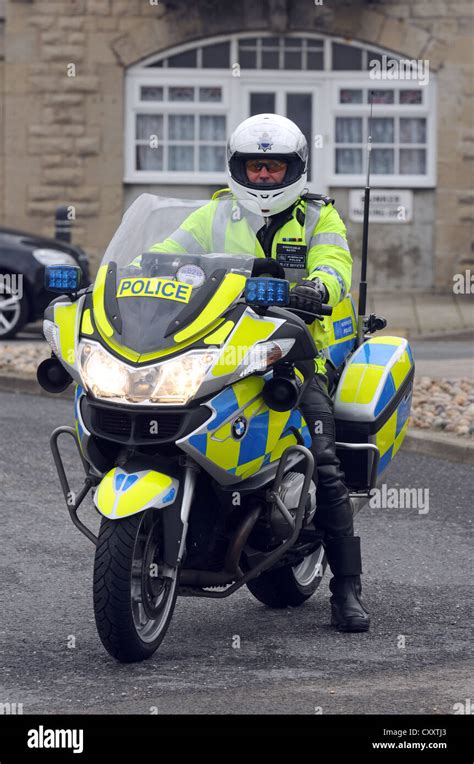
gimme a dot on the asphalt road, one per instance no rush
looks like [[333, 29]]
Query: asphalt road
[[417, 586]]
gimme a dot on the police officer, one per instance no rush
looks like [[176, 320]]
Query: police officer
[[267, 161]]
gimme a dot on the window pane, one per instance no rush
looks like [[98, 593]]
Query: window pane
[[248, 59], [346, 57], [351, 96], [382, 161], [151, 93], [149, 124], [411, 96], [314, 60], [383, 96], [412, 162], [157, 63], [383, 130], [180, 94], [270, 59], [212, 128], [210, 94], [298, 108], [216, 56], [413, 130], [348, 161], [149, 159], [188, 58], [212, 158], [270, 42], [181, 127], [348, 129], [262, 103], [292, 60], [181, 158], [292, 42]]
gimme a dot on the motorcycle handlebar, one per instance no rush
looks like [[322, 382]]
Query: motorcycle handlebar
[[324, 310]]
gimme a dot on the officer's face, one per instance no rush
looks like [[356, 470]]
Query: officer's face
[[266, 172]]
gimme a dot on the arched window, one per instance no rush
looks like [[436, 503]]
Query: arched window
[[182, 105]]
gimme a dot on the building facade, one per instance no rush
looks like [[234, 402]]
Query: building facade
[[102, 100]]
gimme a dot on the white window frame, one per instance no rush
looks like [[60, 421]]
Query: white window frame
[[427, 110], [324, 84]]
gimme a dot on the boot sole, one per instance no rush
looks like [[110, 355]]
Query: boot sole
[[356, 626]]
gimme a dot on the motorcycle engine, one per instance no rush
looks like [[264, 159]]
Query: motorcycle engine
[[290, 493]]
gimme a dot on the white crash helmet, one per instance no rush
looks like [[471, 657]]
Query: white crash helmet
[[273, 137]]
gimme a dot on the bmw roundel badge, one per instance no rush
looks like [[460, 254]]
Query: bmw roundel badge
[[239, 427]]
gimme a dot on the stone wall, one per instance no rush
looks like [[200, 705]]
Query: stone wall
[[63, 135]]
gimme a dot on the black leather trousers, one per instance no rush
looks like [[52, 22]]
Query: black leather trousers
[[333, 517]]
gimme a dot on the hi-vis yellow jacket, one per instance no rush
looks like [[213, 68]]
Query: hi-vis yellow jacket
[[309, 240]]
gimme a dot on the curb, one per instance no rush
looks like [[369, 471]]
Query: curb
[[30, 386], [440, 446], [432, 444]]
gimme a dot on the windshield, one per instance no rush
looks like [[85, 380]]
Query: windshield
[[167, 260]]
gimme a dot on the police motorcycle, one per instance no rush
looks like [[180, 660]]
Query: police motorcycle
[[188, 372]]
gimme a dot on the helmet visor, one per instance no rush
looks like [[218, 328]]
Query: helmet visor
[[270, 171]]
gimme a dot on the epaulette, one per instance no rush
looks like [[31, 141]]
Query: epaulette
[[318, 198]]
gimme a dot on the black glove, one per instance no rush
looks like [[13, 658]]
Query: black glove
[[309, 295]]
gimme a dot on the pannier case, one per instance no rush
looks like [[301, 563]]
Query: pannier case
[[372, 405]]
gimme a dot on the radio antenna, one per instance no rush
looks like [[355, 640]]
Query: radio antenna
[[365, 238]]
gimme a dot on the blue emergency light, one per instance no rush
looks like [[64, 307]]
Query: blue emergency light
[[263, 292], [62, 278]]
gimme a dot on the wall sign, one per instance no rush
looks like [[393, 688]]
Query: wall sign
[[386, 205]]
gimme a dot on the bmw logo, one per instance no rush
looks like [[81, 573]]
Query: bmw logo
[[239, 427]]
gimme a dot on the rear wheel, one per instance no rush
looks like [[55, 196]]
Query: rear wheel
[[134, 592], [290, 586]]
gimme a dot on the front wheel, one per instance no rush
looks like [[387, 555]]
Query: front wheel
[[291, 585], [134, 592]]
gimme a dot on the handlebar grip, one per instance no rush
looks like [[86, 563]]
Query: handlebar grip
[[326, 310]]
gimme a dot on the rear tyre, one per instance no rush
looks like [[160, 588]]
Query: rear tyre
[[290, 586], [134, 593]]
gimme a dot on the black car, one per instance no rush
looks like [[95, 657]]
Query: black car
[[23, 257]]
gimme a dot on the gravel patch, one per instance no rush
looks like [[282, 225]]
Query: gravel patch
[[444, 405], [22, 358]]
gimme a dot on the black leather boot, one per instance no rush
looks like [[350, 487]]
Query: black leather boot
[[347, 611]]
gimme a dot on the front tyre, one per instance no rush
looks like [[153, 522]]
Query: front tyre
[[290, 586], [134, 593]]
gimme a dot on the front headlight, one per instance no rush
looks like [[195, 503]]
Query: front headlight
[[169, 382], [53, 257]]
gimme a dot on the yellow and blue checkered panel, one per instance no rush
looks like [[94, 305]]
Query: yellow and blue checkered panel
[[343, 332], [268, 432], [360, 386], [367, 367], [390, 437]]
